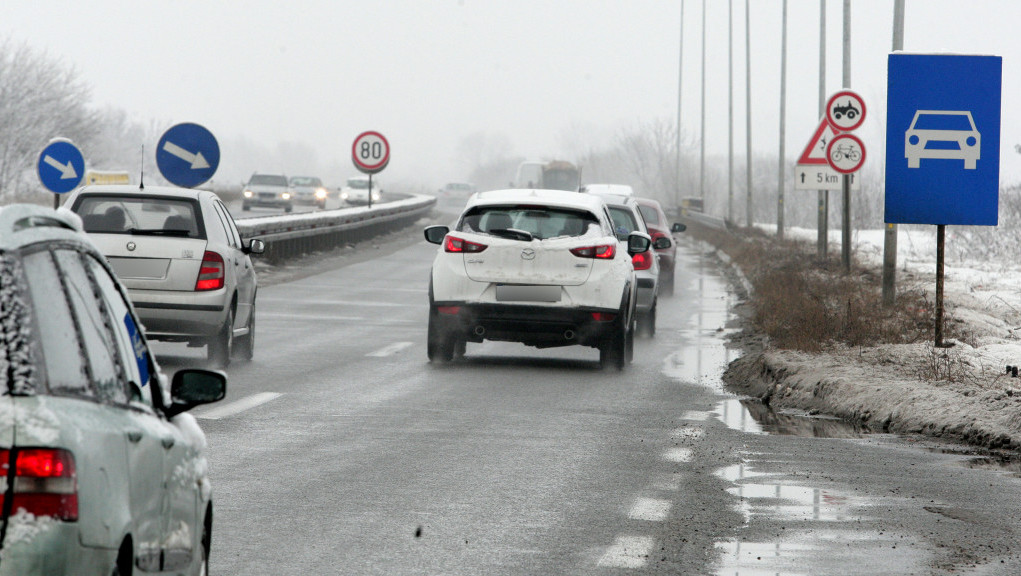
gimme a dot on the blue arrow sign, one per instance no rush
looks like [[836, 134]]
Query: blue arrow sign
[[943, 139], [61, 166], [187, 155]]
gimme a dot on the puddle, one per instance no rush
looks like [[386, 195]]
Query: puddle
[[752, 416], [770, 495]]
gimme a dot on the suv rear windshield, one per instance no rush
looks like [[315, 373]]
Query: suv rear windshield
[[152, 215], [540, 221]]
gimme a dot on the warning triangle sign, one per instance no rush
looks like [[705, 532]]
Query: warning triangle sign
[[815, 152]]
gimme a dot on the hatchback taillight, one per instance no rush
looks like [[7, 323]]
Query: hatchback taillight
[[212, 273], [455, 244], [605, 252], [45, 482], [642, 260]]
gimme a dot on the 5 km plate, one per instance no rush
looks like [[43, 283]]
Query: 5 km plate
[[518, 293]]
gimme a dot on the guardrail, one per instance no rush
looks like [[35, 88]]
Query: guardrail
[[287, 236], [706, 220]]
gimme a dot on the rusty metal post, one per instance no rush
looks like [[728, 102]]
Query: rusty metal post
[[940, 238]]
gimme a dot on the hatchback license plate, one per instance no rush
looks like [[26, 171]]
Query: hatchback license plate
[[517, 293]]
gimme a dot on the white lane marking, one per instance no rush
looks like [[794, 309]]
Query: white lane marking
[[679, 455], [651, 509], [628, 552], [391, 349], [697, 416], [238, 406]]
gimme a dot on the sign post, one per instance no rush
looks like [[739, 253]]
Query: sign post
[[61, 167], [370, 154], [943, 146]]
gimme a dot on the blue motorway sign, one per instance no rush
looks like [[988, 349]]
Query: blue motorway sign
[[187, 155], [61, 166], [943, 139]]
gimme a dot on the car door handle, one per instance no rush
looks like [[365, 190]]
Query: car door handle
[[134, 436], [168, 442]]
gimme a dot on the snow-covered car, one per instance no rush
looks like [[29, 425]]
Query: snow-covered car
[[104, 473], [309, 190], [186, 267], [661, 232], [356, 190], [612, 189], [627, 218], [270, 190], [539, 267]]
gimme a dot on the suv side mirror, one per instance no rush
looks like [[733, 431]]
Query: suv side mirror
[[678, 227], [435, 234], [638, 242], [194, 387]]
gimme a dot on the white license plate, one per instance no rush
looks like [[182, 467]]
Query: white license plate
[[152, 268], [515, 293]]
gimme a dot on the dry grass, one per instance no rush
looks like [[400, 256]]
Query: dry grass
[[804, 303]]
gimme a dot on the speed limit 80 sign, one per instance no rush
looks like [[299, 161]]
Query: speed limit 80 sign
[[370, 152]]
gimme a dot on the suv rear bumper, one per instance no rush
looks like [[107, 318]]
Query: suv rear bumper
[[539, 326]]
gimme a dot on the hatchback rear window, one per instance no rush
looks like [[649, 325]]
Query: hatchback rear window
[[624, 222], [540, 221], [158, 216]]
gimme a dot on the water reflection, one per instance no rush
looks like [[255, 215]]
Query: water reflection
[[752, 416]]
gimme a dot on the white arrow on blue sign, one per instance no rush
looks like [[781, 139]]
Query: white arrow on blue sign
[[61, 166], [187, 155], [943, 139]]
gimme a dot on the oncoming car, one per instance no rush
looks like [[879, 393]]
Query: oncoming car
[[103, 472], [309, 190], [942, 134], [189, 273], [539, 267], [271, 190], [356, 190]]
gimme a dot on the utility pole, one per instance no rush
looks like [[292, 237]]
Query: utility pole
[[748, 111], [783, 113], [730, 111], [846, 232], [701, 171], [680, 92], [824, 195], [890, 235]]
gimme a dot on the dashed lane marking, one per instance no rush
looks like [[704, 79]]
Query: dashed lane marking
[[238, 406], [391, 349], [651, 509], [679, 455], [628, 552]]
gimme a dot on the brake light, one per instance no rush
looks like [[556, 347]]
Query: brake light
[[604, 316], [642, 260], [455, 244], [605, 252], [212, 273], [452, 310], [45, 482]]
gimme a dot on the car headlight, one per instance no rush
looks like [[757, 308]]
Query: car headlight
[[375, 195], [321, 193], [343, 195], [286, 195], [247, 194]]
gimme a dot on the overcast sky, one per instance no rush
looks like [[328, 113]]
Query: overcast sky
[[544, 74]]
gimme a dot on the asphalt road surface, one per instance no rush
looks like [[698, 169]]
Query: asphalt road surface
[[341, 450]]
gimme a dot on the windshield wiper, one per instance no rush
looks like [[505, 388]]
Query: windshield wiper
[[512, 234]]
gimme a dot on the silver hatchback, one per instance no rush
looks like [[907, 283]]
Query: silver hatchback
[[179, 253]]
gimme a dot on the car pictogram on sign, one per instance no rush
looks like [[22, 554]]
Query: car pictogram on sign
[[943, 135]]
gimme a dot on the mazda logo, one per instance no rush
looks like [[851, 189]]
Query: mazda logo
[[528, 254]]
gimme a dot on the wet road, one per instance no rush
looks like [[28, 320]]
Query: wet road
[[340, 450]]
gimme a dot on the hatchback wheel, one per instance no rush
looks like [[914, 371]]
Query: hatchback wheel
[[220, 346], [244, 349], [647, 322]]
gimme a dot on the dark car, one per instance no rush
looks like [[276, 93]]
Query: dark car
[[662, 242]]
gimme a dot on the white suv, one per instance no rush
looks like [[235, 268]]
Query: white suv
[[539, 267]]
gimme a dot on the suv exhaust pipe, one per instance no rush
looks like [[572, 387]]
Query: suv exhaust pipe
[[568, 334], [480, 331]]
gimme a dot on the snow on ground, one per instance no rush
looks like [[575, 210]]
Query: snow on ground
[[962, 392]]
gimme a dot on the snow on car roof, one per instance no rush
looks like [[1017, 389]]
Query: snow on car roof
[[558, 198], [136, 190]]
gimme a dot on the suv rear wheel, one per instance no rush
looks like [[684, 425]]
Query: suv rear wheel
[[613, 351], [440, 346]]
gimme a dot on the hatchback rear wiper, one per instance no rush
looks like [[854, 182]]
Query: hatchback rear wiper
[[512, 233]]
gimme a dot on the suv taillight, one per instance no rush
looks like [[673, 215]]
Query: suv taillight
[[45, 482], [212, 273], [605, 252], [455, 244], [642, 260]]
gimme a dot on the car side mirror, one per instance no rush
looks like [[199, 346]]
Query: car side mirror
[[638, 242], [678, 227], [256, 246], [662, 243], [193, 387], [435, 234]]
